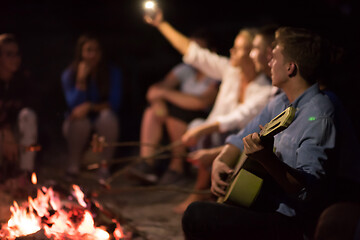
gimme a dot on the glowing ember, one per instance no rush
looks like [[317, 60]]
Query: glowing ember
[[46, 212], [33, 178]]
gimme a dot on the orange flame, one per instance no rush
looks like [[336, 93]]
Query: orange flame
[[79, 195], [118, 232], [47, 212], [33, 178]]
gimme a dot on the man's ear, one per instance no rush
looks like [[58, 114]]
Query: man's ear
[[292, 69]]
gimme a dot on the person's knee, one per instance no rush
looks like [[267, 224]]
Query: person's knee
[[27, 125], [107, 116], [153, 112], [192, 217], [159, 109], [27, 114]]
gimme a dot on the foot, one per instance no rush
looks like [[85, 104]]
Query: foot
[[180, 208], [144, 172]]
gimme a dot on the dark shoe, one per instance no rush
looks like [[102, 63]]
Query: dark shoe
[[144, 172], [172, 177]]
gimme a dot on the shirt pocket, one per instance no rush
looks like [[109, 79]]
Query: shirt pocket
[[285, 146]]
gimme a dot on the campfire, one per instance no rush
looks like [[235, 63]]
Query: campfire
[[55, 218]]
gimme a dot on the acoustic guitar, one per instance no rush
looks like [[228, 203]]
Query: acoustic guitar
[[248, 178]]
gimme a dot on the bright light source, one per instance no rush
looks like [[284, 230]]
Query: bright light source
[[149, 5]]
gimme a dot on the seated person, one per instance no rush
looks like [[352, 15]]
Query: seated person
[[243, 91], [261, 53], [18, 120], [297, 162], [185, 94], [92, 90]]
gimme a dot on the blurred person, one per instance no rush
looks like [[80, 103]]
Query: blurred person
[[243, 91], [298, 161], [93, 90], [340, 221], [261, 54], [346, 185], [18, 120], [185, 94]]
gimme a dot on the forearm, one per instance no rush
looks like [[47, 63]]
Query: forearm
[[186, 101], [80, 81], [97, 107], [179, 41], [229, 154], [214, 152], [208, 129], [74, 96], [81, 86], [288, 178]]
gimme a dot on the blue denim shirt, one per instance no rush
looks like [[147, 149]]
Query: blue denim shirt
[[303, 145]]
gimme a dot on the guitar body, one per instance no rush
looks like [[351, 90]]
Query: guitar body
[[244, 189], [249, 178]]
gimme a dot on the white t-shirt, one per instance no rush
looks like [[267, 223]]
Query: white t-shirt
[[230, 114]]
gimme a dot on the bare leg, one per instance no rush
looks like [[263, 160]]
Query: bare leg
[[176, 128], [203, 158], [202, 183], [151, 132]]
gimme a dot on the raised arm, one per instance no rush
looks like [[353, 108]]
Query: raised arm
[[192, 136], [179, 41]]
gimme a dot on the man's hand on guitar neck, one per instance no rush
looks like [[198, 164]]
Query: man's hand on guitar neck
[[258, 148], [252, 144], [223, 165]]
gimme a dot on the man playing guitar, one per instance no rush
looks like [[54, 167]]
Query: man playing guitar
[[298, 161]]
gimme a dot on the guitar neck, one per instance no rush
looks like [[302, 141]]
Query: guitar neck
[[278, 123]]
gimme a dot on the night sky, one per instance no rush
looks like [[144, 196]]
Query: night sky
[[47, 31]]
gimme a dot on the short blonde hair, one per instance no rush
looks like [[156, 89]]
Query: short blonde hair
[[249, 34]]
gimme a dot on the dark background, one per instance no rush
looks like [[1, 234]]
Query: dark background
[[47, 31]]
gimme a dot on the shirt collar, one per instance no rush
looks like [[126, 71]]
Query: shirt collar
[[303, 98]]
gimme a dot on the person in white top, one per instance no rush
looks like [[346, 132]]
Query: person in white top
[[243, 91], [261, 54]]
